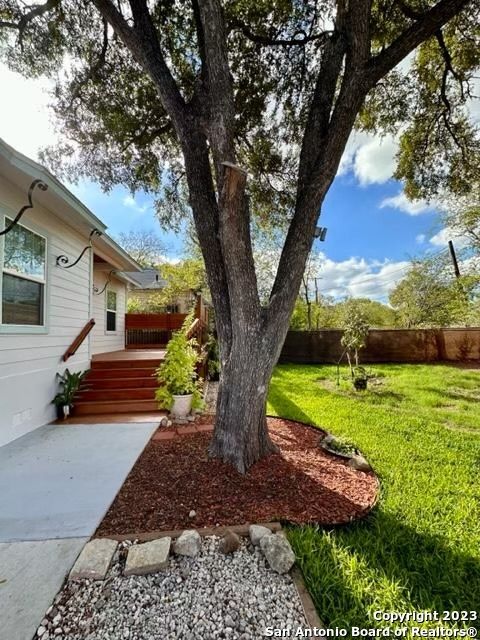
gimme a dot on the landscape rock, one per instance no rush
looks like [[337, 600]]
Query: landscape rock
[[278, 552], [197, 598], [192, 513], [148, 557], [359, 463], [229, 542], [94, 560], [188, 543], [256, 532]]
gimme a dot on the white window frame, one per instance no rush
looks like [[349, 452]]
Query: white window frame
[[115, 311], [25, 328]]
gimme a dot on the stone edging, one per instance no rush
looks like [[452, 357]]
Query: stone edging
[[311, 615]]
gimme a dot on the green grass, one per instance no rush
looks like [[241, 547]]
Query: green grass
[[419, 549]]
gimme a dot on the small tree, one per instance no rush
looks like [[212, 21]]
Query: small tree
[[354, 335]]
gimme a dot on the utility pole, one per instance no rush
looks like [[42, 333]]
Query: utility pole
[[454, 259]]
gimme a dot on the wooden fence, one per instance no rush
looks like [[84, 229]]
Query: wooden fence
[[154, 330], [385, 345]]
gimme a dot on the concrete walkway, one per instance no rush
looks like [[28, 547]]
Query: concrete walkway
[[57, 483]]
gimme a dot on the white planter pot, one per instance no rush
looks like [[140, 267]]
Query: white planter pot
[[182, 405]]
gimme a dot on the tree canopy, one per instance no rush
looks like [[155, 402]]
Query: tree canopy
[[117, 131]]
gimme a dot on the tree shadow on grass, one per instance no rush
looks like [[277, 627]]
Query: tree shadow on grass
[[398, 568]]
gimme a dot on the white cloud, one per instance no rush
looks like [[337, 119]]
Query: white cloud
[[420, 239], [358, 277], [375, 161], [402, 203], [371, 158], [24, 114], [130, 202], [441, 238]]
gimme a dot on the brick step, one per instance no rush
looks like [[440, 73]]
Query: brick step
[[83, 408], [109, 374], [125, 364], [120, 383], [130, 393]]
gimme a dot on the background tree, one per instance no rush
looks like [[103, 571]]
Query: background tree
[[172, 97], [430, 296], [461, 217], [183, 279], [144, 246]]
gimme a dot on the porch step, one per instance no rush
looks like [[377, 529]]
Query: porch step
[[129, 393], [127, 382], [85, 408], [125, 364], [129, 372]]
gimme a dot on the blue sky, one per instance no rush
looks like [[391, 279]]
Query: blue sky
[[372, 229]]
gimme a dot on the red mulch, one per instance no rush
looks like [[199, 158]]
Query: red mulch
[[301, 484]]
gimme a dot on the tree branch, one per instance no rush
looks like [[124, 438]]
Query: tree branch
[[142, 40], [221, 116], [423, 28], [28, 17], [276, 42]]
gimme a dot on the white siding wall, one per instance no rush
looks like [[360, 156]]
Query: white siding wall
[[101, 340], [29, 362]]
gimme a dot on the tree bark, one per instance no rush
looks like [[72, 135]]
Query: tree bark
[[241, 435]]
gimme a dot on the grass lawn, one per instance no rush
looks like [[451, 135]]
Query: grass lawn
[[419, 550]]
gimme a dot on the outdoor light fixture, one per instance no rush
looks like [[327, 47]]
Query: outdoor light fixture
[[320, 233], [97, 291], [36, 183], [63, 261]]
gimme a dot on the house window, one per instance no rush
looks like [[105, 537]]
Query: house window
[[111, 310], [23, 276]]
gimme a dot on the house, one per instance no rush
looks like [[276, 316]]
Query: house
[[146, 295], [58, 271]]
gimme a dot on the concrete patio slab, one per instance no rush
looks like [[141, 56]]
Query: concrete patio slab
[[31, 573], [60, 480]]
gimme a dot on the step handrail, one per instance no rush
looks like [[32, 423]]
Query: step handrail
[[73, 348]]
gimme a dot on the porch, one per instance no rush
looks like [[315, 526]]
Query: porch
[[120, 382]]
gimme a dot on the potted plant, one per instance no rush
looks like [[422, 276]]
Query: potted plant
[[180, 389], [69, 385]]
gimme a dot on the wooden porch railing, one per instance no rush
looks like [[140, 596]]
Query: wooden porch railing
[[73, 348], [154, 330], [151, 330]]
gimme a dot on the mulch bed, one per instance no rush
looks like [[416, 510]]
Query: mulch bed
[[301, 484]]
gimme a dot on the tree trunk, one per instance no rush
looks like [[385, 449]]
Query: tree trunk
[[241, 436]]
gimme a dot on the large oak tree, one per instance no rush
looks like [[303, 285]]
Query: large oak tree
[[243, 108]]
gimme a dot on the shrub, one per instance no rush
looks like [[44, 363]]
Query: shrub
[[177, 374]]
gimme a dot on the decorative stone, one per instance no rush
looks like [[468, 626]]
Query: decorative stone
[[41, 630], [359, 463], [148, 557], [278, 552], [256, 532], [188, 543], [94, 560], [192, 513], [229, 542]]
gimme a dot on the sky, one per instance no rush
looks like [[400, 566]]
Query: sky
[[373, 230]]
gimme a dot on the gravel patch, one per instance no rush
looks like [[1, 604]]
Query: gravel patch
[[210, 596]]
